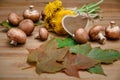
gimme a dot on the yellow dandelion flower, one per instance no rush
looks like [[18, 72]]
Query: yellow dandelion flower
[[54, 12], [51, 7], [57, 3], [49, 11]]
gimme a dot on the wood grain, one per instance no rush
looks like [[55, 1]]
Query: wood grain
[[13, 59]]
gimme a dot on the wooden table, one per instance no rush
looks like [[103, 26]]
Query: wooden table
[[13, 59]]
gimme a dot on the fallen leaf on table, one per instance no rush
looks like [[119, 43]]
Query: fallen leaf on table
[[82, 49], [65, 42], [74, 62], [96, 69], [48, 57], [105, 56]]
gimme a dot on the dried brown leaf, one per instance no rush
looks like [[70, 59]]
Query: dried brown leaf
[[74, 62], [47, 57]]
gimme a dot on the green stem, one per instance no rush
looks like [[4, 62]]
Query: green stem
[[93, 7], [96, 4], [94, 10]]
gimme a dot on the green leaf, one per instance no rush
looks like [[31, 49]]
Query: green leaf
[[96, 69], [83, 49], [6, 24], [105, 56], [66, 42]]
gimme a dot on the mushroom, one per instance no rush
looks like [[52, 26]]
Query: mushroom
[[14, 19], [16, 36], [112, 31], [43, 34], [96, 33], [27, 26], [32, 14], [81, 35]]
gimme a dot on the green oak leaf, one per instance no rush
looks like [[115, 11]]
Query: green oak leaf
[[65, 42], [96, 69]]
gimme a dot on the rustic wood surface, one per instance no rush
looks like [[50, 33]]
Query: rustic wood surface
[[13, 59]]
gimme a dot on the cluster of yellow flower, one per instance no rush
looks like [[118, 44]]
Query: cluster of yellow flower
[[54, 12]]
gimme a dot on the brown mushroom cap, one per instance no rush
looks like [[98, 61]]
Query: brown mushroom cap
[[32, 14], [27, 26], [43, 34], [94, 31], [113, 31], [81, 35], [14, 19], [16, 35]]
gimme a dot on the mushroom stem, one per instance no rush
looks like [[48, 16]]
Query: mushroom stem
[[112, 24], [31, 7], [13, 43], [101, 38], [37, 36]]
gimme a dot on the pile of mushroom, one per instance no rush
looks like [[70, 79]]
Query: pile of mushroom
[[25, 26], [98, 33], [101, 33]]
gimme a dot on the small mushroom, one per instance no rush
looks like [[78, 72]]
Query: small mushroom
[[27, 26], [81, 35], [32, 14], [16, 36], [96, 33], [14, 19], [112, 31], [43, 34]]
